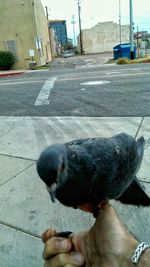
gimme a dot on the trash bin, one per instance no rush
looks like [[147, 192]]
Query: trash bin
[[116, 53], [123, 50], [32, 65]]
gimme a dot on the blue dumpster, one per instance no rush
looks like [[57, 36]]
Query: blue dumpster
[[123, 50]]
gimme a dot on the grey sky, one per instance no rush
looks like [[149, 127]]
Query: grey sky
[[94, 11]]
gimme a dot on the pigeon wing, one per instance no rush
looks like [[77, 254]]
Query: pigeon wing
[[75, 190]]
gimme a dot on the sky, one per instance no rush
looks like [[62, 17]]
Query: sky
[[94, 11]]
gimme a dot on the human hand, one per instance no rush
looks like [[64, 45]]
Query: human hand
[[57, 251], [107, 243]]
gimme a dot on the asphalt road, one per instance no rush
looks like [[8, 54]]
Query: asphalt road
[[77, 89]]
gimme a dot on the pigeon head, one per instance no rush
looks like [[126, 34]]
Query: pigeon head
[[51, 167]]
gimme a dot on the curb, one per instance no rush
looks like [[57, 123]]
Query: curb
[[10, 74]]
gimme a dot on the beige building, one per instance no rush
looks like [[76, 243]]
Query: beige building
[[24, 31], [55, 45], [103, 37]]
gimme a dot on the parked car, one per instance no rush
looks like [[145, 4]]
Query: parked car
[[67, 53]]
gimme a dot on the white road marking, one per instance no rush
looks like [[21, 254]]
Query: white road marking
[[73, 76], [43, 97], [95, 82], [113, 72]]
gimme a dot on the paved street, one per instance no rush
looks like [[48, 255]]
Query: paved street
[[26, 210], [78, 88]]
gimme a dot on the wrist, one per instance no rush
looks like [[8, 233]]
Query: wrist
[[144, 259], [139, 251], [130, 246]]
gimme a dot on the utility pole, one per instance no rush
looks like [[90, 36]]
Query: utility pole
[[120, 20], [131, 30], [80, 31], [36, 34], [49, 32], [137, 36], [46, 12], [73, 24]]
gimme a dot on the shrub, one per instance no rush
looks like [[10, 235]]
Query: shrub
[[123, 61], [7, 60], [146, 60]]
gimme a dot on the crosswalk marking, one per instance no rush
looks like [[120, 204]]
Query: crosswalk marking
[[43, 97]]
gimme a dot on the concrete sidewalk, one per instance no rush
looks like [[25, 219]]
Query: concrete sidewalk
[[25, 210]]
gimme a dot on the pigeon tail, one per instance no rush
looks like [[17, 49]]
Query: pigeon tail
[[135, 195]]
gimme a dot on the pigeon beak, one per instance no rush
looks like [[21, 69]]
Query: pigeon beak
[[51, 191], [52, 196]]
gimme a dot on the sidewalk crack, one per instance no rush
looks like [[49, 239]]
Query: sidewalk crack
[[14, 176], [17, 228], [8, 131], [17, 157], [139, 127]]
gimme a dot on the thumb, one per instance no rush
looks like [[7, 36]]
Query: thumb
[[48, 234]]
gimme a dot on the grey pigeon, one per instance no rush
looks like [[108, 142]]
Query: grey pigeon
[[93, 170]]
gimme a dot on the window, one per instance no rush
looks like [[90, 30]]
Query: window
[[11, 46]]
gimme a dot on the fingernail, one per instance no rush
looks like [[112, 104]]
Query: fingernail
[[78, 258], [63, 244]]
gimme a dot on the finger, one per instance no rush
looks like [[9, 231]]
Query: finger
[[48, 234], [56, 245], [63, 259]]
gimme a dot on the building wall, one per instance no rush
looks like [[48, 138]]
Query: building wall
[[61, 30], [103, 37], [42, 33], [21, 22]]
